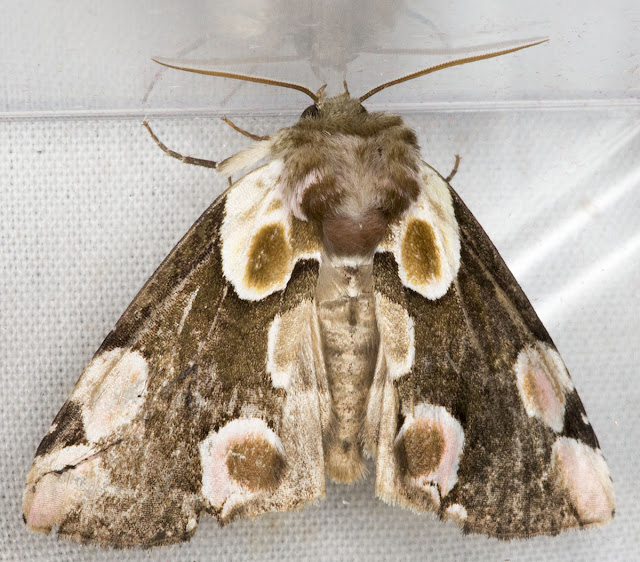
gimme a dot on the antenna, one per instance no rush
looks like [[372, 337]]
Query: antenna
[[244, 77], [444, 65]]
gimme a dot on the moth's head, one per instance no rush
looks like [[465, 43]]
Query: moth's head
[[340, 106], [330, 115]]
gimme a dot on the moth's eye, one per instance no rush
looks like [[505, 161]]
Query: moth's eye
[[311, 112], [363, 109]]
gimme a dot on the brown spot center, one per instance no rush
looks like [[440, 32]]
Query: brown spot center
[[255, 463], [420, 449], [269, 258], [420, 253]]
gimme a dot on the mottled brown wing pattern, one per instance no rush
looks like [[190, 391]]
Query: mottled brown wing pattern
[[179, 412], [483, 424]]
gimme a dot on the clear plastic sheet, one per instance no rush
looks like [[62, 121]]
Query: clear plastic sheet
[[549, 140]]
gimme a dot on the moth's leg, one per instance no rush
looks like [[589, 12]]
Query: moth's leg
[[177, 155], [454, 171], [242, 131]]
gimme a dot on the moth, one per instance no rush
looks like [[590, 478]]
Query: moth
[[336, 303]]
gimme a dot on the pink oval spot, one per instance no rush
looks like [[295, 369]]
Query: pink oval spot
[[224, 487], [542, 382], [45, 507], [443, 438], [583, 472]]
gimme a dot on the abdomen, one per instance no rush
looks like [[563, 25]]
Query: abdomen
[[350, 341]]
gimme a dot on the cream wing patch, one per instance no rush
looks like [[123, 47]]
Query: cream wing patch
[[429, 446], [397, 338], [287, 334], [260, 243], [583, 473], [543, 382], [457, 513], [111, 391], [50, 497], [239, 462], [109, 394], [425, 242]]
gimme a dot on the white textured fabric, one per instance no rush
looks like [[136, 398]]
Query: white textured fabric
[[90, 207]]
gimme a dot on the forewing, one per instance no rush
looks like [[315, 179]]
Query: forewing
[[472, 410], [208, 395]]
